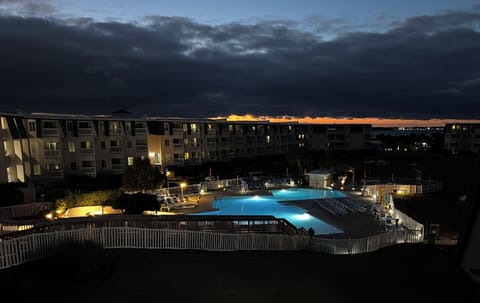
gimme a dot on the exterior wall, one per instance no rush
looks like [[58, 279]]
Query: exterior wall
[[462, 137], [48, 147]]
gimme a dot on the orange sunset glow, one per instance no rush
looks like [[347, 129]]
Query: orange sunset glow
[[376, 122]]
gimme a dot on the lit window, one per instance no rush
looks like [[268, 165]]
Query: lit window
[[71, 147], [86, 144], [268, 139], [187, 156], [34, 147], [51, 145], [130, 161], [37, 169], [193, 126], [53, 166]]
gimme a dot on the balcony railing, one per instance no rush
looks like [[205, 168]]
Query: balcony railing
[[49, 132], [88, 170], [52, 153], [115, 149], [86, 151], [54, 173], [141, 131], [117, 166], [177, 146], [85, 131], [141, 148]]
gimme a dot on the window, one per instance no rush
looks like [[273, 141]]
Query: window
[[167, 142], [53, 166], [187, 156], [102, 144], [194, 142], [139, 125], [49, 124], [37, 169], [128, 126], [129, 144], [101, 128], [34, 147], [86, 144], [130, 161], [71, 147], [115, 128], [115, 143], [104, 163], [88, 164], [84, 124], [73, 165], [176, 141], [51, 145], [70, 126], [141, 142], [32, 126], [193, 127], [267, 139], [116, 161]]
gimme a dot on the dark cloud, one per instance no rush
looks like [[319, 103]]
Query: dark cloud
[[423, 67], [27, 7]]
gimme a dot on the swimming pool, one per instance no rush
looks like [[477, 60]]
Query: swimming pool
[[269, 205]]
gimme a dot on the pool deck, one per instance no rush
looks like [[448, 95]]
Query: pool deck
[[354, 225]]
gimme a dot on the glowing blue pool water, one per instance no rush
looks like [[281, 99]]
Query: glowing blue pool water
[[270, 206], [296, 194]]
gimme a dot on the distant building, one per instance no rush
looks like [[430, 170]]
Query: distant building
[[46, 147], [462, 137]]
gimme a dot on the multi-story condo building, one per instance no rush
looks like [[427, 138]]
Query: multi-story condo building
[[45, 147], [460, 137]]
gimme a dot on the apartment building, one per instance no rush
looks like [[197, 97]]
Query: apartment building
[[47, 147], [461, 137]]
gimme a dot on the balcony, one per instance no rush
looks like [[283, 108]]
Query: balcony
[[54, 173], [88, 170], [177, 146], [52, 153], [117, 166], [141, 131], [115, 132], [49, 132], [116, 149], [85, 131], [86, 151], [141, 148], [177, 131]]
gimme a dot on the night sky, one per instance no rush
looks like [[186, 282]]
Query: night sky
[[353, 59]]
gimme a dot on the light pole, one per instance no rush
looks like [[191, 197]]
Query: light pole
[[182, 185], [167, 174]]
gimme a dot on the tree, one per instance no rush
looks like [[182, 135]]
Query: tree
[[136, 203], [142, 176]]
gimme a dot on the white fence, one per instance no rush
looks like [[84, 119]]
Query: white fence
[[24, 210], [23, 249], [407, 221]]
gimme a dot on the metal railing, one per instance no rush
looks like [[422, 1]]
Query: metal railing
[[24, 210]]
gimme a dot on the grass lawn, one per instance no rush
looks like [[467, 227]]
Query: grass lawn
[[403, 273]]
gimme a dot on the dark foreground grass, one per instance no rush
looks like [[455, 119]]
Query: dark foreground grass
[[403, 273]]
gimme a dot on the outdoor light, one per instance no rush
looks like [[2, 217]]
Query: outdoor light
[[182, 185]]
